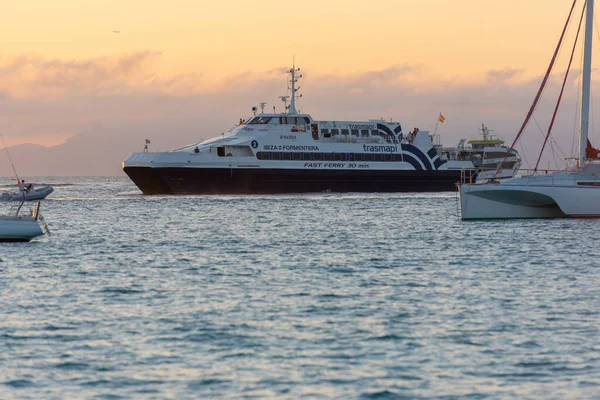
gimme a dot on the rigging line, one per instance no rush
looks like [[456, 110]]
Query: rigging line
[[562, 90], [10, 159], [577, 104], [539, 93]]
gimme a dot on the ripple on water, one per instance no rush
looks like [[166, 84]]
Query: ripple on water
[[369, 296]]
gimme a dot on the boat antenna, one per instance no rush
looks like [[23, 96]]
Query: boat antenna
[[262, 107], [10, 159], [293, 80]]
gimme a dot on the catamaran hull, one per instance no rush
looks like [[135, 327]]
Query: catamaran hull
[[14, 230], [261, 180], [522, 201]]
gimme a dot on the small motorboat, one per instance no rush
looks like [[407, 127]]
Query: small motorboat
[[22, 227], [28, 193]]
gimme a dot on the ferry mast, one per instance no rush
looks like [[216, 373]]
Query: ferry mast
[[294, 89]]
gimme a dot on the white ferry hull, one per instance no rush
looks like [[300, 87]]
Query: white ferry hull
[[173, 180]]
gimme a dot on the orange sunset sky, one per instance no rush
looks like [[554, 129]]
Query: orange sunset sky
[[63, 70]]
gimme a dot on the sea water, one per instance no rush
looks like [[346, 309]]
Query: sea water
[[345, 296]]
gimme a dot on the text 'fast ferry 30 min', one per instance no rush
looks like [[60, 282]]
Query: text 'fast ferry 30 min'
[[293, 153]]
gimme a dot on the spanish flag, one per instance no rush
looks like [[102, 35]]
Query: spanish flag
[[442, 119]]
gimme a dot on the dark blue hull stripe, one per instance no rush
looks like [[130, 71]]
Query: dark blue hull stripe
[[412, 160], [419, 154], [438, 163]]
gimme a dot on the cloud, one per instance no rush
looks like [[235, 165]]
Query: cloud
[[504, 74], [114, 103]]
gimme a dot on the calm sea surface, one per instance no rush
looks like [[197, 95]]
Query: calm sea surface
[[346, 296]]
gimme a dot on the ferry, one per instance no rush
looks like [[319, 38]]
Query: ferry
[[488, 154], [291, 152]]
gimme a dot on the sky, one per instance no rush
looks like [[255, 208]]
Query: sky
[[107, 73]]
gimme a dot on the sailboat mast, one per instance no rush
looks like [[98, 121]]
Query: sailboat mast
[[587, 72]]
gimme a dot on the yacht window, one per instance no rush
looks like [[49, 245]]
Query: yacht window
[[364, 132], [221, 151], [317, 156], [344, 131], [354, 132], [327, 157]]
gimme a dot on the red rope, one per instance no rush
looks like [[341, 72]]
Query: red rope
[[562, 89], [541, 89]]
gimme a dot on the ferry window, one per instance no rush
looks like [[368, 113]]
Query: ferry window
[[324, 131], [344, 131], [283, 120], [275, 156], [317, 156], [307, 156], [364, 132], [349, 156], [327, 156], [286, 156], [397, 157], [368, 157], [358, 156], [354, 132], [296, 156], [259, 120], [221, 151], [306, 120], [377, 157], [274, 121], [388, 157], [259, 155], [266, 155], [335, 132], [292, 121], [374, 132], [337, 156]]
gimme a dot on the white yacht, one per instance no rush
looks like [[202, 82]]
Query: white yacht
[[487, 153], [572, 193], [292, 152]]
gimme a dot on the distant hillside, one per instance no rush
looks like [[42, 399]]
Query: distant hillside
[[100, 151]]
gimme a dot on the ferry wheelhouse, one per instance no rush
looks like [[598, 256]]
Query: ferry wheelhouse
[[292, 153]]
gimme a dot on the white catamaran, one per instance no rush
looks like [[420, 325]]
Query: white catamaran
[[568, 194]]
